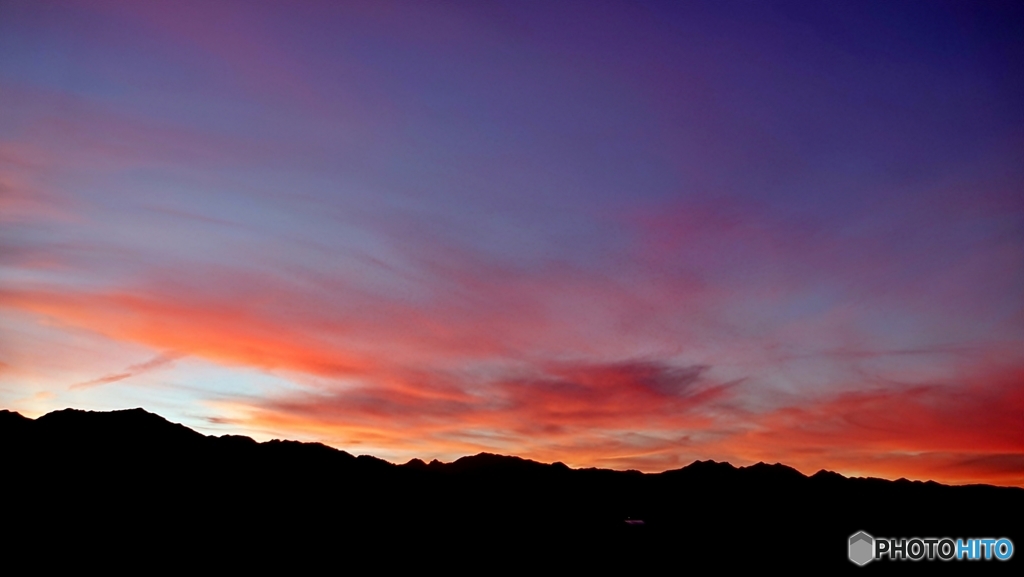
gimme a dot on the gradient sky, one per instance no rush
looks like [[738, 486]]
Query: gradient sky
[[614, 234]]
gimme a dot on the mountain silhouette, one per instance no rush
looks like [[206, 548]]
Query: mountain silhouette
[[109, 487]]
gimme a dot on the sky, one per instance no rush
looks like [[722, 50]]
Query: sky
[[612, 234]]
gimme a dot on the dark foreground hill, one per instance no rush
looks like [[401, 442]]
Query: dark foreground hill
[[129, 487]]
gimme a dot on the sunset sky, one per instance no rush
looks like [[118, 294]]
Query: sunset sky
[[613, 234]]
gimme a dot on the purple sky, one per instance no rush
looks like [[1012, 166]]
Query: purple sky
[[617, 234]]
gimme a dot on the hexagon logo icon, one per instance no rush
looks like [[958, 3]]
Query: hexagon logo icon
[[861, 545]]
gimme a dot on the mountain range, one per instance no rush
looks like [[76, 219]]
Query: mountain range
[[129, 487]]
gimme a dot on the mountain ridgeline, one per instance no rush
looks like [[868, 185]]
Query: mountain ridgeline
[[129, 484]]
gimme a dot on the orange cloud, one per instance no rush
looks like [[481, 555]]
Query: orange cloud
[[653, 417], [582, 414], [397, 379], [234, 335]]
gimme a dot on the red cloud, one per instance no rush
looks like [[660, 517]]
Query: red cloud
[[633, 395], [653, 416], [953, 432], [641, 414], [581, 413]]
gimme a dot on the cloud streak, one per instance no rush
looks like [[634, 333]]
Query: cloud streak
[[157, 362]]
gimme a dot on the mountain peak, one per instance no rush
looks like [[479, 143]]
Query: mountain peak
[[775, 469]]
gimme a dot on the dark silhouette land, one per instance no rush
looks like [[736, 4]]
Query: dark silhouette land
[[90, 487]]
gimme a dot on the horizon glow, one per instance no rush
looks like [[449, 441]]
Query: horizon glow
[[624, 235]]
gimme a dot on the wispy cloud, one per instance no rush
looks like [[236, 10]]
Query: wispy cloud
[[155, 363]]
